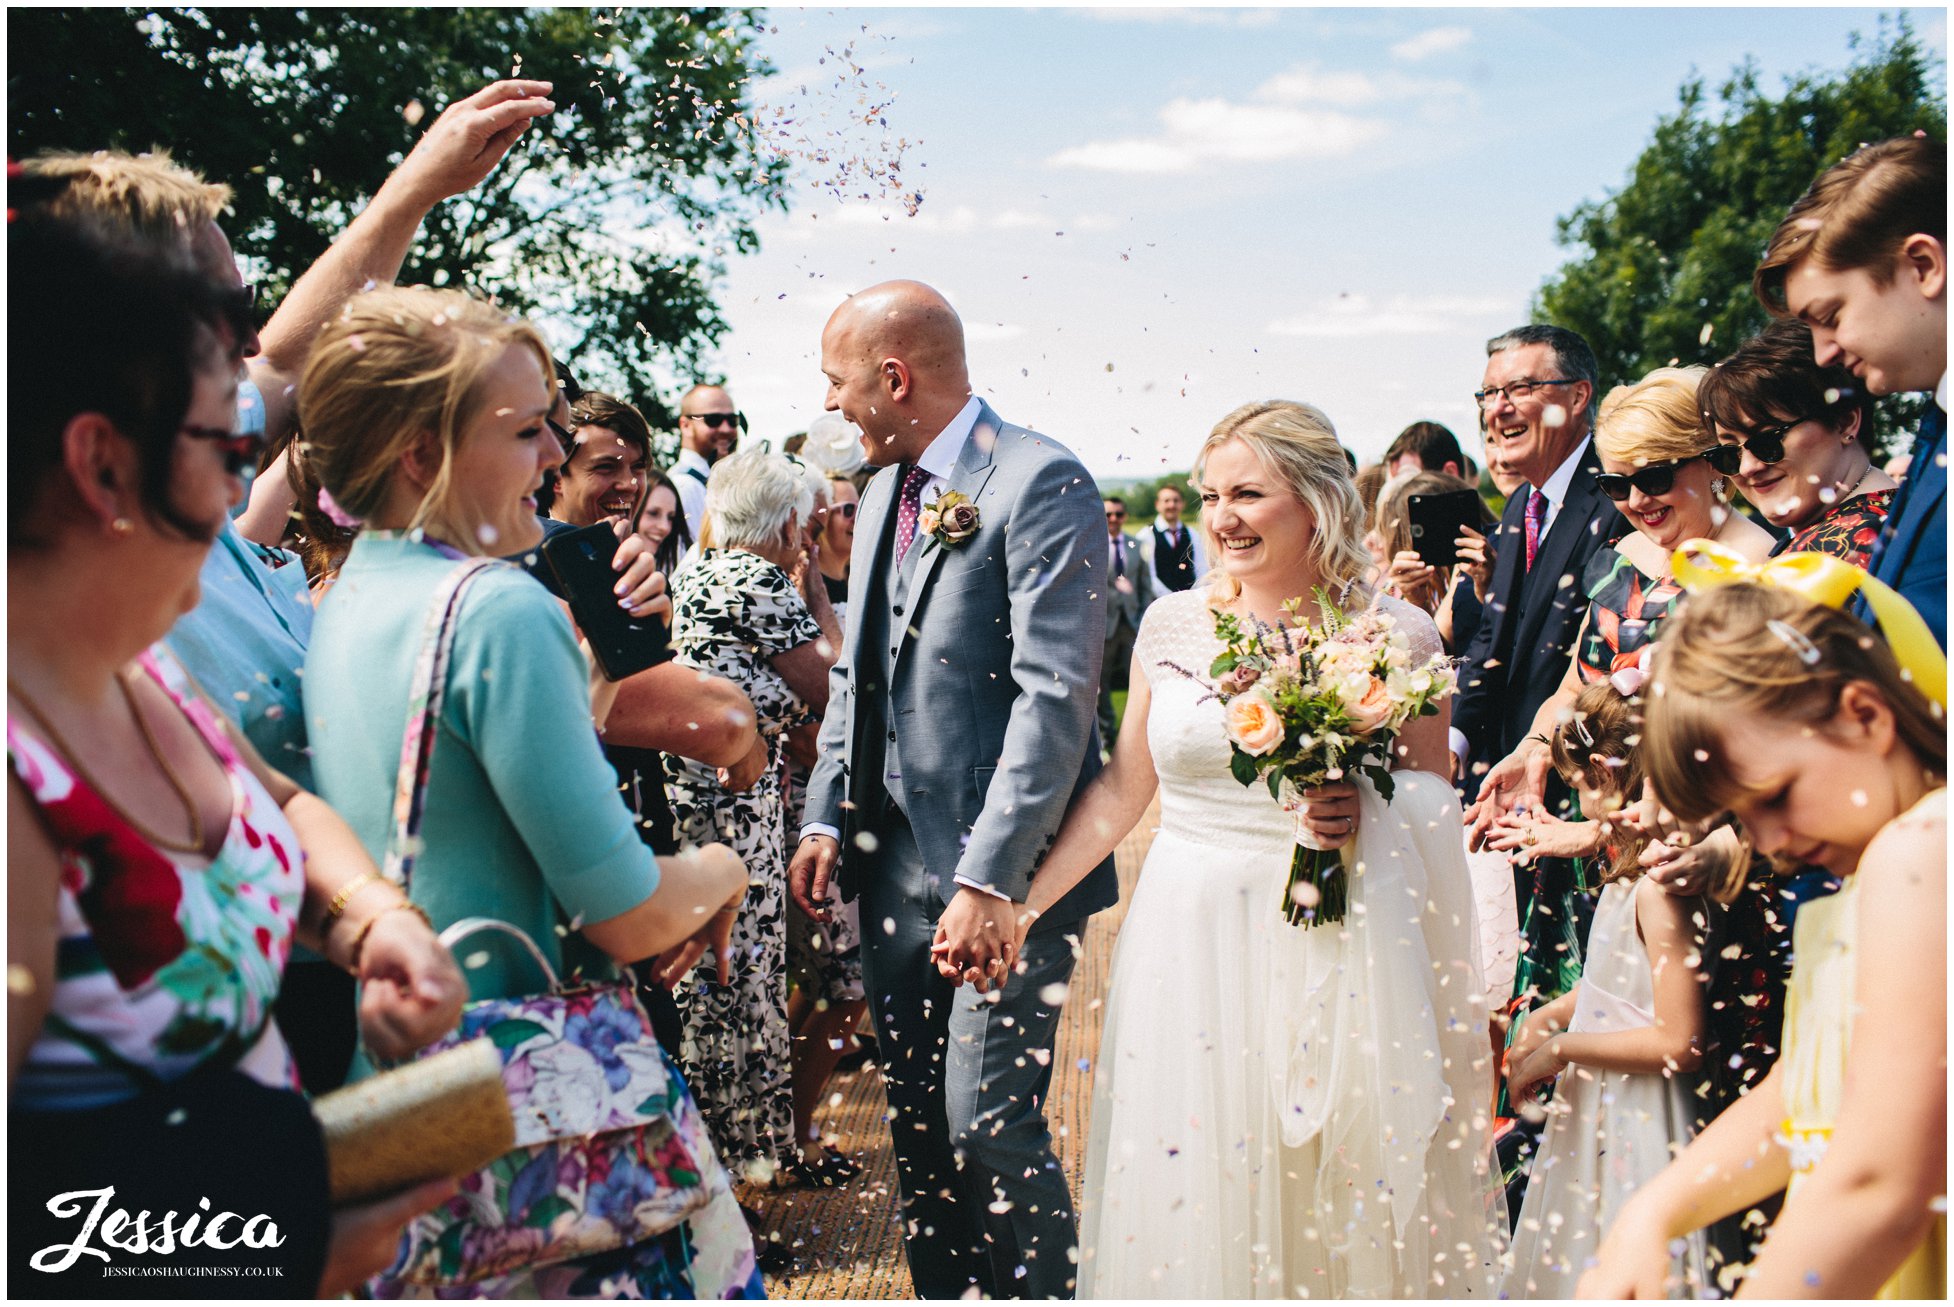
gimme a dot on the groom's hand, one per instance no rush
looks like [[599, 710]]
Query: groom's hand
[[977, 940], [807, 874]]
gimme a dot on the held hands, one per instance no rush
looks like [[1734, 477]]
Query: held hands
[[1330, 813], [1525, 1075], [411, 992], [641, 587], [808, 874], [470, 137], [1528, 835], [1476, 557], [977, 940], [1520, 778]]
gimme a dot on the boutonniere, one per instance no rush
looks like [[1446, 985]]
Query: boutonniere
[[950, 520]]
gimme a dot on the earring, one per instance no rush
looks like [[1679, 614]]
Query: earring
[[1717, 486], [122, 526]]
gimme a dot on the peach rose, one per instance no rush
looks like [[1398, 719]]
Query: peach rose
[[1371, 709], [1254, 724]]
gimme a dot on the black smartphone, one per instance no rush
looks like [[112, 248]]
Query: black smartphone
[[581, 562], [1436, 521]]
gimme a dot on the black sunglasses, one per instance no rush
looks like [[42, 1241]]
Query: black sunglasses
[[1655, 479], [718, 419], [240, 451], [1766, 446], [845, 510]]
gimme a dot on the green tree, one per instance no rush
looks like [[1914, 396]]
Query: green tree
[[1139, 497], [615, 215], [1664, 265]]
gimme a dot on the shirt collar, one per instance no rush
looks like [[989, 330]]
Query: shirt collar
[[1556, 486], [1940, 393], [691, 457], [940, 459]]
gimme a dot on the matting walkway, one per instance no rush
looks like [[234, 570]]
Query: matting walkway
[[846, 1242]]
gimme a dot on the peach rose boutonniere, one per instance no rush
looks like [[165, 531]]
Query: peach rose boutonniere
[[950, 520]]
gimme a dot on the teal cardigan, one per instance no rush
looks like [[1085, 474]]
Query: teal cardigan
[[523, 820]]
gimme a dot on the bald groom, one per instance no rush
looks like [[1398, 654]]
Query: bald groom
[[959, 727]]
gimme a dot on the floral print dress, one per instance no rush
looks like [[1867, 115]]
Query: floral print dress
[[166, 963], [732, 612]]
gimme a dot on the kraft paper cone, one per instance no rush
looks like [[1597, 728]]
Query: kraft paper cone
[[443, 1116]]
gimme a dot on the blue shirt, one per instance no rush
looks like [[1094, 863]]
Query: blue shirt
[[523, 820]]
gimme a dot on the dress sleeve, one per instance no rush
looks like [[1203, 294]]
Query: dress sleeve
[[1176, 630], [518, 700]]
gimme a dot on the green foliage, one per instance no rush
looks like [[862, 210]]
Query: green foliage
[[1139, 498], [616, 214], [1664, 264]]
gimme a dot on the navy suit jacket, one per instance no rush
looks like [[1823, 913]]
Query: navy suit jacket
[[1519, 654], [1912, 552]]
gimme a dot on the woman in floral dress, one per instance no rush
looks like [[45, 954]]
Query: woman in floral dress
[[738, 614]]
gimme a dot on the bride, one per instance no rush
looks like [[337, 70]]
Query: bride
[[1278, 1110]]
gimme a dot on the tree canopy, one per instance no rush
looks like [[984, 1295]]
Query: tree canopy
[[615, 215], [1664, 264]]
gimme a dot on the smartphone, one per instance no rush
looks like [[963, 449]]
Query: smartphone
[[1436, 521], [581, 562]]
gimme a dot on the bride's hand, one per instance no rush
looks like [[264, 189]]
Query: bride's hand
[[1330, 813]]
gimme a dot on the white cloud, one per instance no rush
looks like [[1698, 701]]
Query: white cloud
[[1306, 84], [1197, 131], [1402, 315], [1428, 43]]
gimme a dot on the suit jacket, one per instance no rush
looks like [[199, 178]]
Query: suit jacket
[[1912, 553], [1525, 639], [1149, 538], [997, 644], [1121, 606]]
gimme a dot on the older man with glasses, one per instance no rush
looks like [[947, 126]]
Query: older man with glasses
[[708, 430]]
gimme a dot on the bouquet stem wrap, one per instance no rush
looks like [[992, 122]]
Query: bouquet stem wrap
[[1324, 872]]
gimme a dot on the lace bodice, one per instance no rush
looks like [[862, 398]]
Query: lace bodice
[[1199, 799]]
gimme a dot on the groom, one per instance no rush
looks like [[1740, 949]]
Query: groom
[[959, 726]]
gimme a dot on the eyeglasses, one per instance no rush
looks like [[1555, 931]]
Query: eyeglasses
[[1655, 479], [718, 419], [843, 510], [1766, 446], [1517, 390], [239, 451], [562, 434]]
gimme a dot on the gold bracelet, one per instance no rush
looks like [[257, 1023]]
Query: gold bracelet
[[359, 940], [337, 907]]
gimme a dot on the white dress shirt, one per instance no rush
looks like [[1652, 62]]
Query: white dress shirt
[[939, 460], [691, 490]]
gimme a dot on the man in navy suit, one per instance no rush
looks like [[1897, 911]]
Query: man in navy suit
[[1861, 259]]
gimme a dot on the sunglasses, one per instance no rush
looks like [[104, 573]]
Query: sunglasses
[[1766, 446], [1655, 479], [718, 419], [239, 452], [843, 510]]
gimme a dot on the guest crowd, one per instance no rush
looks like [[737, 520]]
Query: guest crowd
[[1702, 761]]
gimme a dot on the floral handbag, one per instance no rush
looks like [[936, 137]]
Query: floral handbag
[[610, 1148]]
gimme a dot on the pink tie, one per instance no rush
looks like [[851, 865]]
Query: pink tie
[[1536, 518], [908, 509]]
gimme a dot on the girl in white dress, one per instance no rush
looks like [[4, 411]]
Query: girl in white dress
[[1280, 1111], [1623, 1042]]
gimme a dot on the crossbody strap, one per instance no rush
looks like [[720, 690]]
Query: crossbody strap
[[423, 720]]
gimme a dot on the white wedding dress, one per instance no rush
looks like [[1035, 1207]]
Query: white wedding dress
[[1280, 1111]]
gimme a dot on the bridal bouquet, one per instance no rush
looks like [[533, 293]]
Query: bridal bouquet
[[1306, 705]]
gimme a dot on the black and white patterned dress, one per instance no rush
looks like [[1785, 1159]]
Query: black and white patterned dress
[[732, 612]]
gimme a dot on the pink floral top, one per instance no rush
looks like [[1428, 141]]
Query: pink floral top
[[166, 962]]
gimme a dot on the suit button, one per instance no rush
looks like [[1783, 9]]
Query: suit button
[[898, 610], [893, 651], [892, 737]]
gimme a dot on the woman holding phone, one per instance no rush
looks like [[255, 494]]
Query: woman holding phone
[[1453, 593], [427, 412]]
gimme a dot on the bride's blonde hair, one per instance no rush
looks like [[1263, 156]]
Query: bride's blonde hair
[[1298, 445]]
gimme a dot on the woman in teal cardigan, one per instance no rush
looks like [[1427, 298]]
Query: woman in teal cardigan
[[425, 414]]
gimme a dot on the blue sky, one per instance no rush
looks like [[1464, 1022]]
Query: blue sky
[[1147, 217]]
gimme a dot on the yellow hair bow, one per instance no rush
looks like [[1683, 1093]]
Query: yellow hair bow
[[1823, 579]]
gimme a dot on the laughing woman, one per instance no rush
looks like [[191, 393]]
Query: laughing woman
[[427, 412]]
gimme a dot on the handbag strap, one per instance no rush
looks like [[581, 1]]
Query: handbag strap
[[467, 926], [423, 719]]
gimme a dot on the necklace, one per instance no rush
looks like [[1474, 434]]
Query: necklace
[[196, 842]]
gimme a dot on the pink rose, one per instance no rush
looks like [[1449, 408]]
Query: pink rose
[[959, 523], [1254, 724], [1372, 709], [1241, 679]]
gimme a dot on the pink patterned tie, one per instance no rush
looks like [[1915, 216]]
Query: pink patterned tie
[[908, 509], [1536, 518]]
